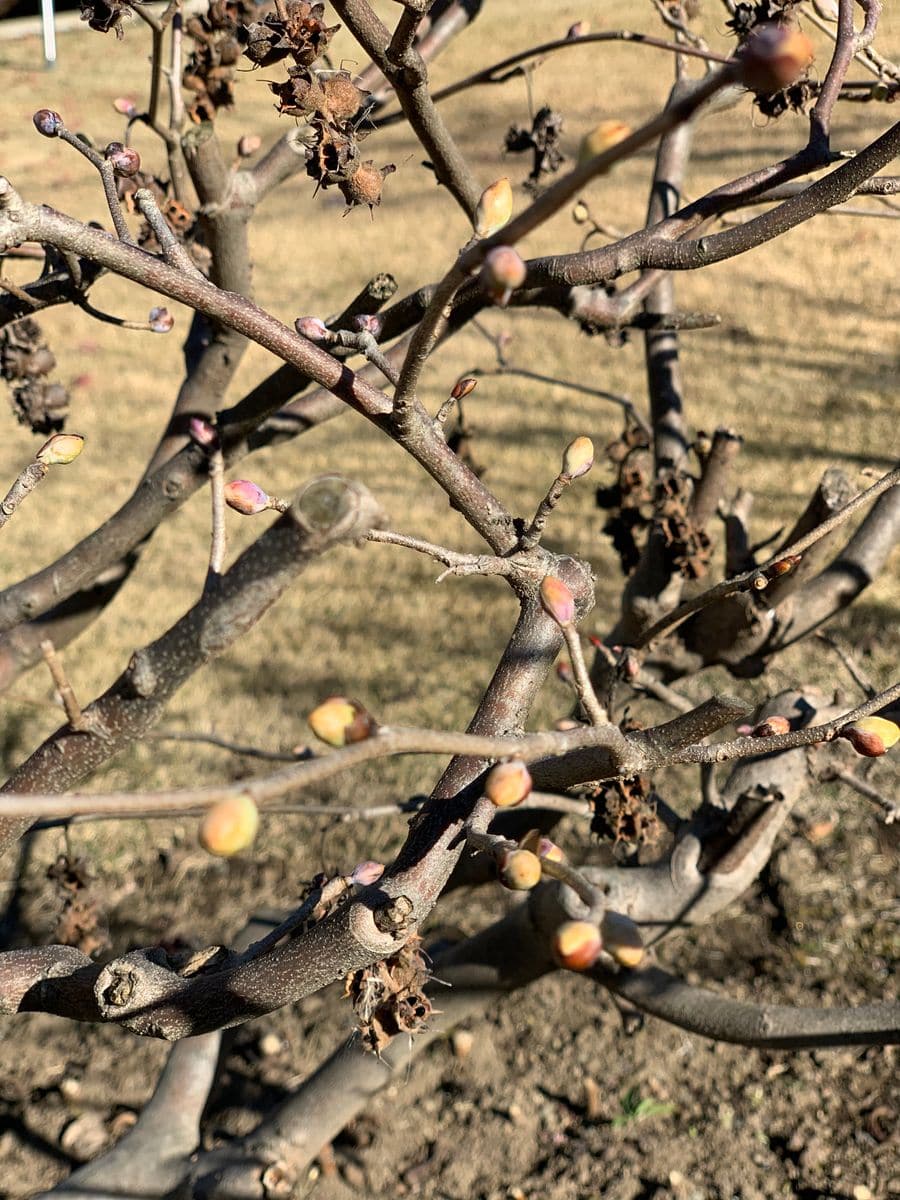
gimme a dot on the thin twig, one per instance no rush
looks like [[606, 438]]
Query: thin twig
[[218, 536], [584, 689], [65, 689], [890, 808]]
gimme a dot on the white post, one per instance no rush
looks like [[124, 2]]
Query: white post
[[48, 31]]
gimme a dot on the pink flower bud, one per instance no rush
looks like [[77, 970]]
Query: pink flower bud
[[558, 601], [248, 145], [202, 432], [160, 320], [245, 497], [578, 457], [579, 29], [312, 328], [48, 122], [507, 784], [503, 271], [463, 387], [125, 105], [125, 160], [60, 449], [366, 873]]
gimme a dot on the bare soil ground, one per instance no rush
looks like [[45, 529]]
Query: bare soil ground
[[804, 365]]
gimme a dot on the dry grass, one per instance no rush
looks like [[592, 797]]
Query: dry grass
[[803, 365]]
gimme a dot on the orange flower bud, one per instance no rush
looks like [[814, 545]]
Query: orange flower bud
[[229, 826], [519, 870], [494, 208], [245, 497], [773, 57], [622, 939], [507, 784], [578, 457], [602, 137], [60, 449], [558, 601], [871, 736], [339, 721], [577, 945]]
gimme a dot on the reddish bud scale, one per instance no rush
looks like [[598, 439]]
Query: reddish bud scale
[[245, 497], [577, 945], [558, 602], [784, 565], [871, 736], [507, 784], [48, 122], [463, 387], [771, 727]]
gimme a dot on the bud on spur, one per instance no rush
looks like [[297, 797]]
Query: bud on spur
[[502, 272], [60, 450], [202, 432], [245, 497], [229, 826], [507, 784], [558, 602], [519, 870], [871, 736], [312, 328], [578, 458], [494, 208], [339, 721], [160, 320], [124, 159], [577, 945], [47, 122]]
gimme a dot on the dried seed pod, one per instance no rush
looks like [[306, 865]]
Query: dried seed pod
[[557, 600], [342, 98], [622, 939], [577, 945], [339, 721], [507, 784], [578, 458], [125, 160], [774, 56], [229, 826], [519, 870], [494, 208], [246, 497], [871, 736], [60, 449], [365, 184]]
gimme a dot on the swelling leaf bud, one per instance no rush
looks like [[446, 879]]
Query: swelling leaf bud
[[502, 272], [462, 387], [47, 122], [124, 159], [61, 449], [622, 939], [245, 497], [312, 328], [229, 826], [602, 137], [577, 945], [578, 457], [520, 870], [339, 721], [494, 208], [773, 57], [507, 784], [366, 873], [160, 320], [871, 736], [557, 600]]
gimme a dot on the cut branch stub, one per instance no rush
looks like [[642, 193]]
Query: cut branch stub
[[332, 508]]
